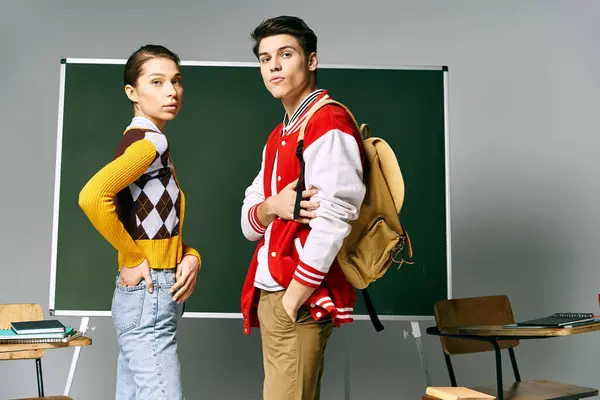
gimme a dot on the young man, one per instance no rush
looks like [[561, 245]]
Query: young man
[[295, 290]]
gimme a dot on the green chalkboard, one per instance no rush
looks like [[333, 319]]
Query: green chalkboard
[[216, 144]]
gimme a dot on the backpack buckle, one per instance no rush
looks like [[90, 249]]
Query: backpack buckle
[[397, 250]]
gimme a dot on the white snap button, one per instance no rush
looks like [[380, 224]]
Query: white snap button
[[279, 178], [319, 314], [283, 142], [273, 254]]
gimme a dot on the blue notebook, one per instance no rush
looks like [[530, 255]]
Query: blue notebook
[[41, 326]]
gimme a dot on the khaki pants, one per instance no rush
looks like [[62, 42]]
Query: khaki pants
[[293, 352]]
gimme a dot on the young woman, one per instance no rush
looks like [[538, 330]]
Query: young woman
[[136, 203]]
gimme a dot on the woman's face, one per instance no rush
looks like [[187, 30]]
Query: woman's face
[[158, 92]]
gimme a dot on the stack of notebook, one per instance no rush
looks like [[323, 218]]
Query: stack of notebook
[[44, 331]]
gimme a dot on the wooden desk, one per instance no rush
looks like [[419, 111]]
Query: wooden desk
[[519, 390], [534, 390], [502, 333], [23, 351], [539, 390]]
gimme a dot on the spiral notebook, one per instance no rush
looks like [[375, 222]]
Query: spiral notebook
[[559, 320], [8, 336]]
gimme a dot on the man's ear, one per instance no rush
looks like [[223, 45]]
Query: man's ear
[[313, 61], [131, 93]]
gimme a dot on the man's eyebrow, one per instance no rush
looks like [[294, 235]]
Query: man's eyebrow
[[289, 46]]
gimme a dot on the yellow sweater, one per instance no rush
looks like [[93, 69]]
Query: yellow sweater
[[136, 203]]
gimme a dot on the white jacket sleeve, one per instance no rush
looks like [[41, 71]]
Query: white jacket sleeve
[[251, 227], [333, 165]]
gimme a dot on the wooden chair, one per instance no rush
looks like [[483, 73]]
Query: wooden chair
[[495, 310], [26, 312]]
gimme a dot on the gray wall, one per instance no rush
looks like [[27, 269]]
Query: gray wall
[[523, 114]]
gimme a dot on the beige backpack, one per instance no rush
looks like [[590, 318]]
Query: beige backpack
[[377, 238]]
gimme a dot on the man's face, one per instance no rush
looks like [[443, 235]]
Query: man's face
[[285, 69]]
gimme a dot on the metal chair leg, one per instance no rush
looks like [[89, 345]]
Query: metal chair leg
[[450, 370], [500, 395], [40, 379], [513, 361]]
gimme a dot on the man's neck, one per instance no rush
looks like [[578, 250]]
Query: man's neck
[[291, 103]]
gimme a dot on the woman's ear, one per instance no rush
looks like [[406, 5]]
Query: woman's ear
[[131, 93]]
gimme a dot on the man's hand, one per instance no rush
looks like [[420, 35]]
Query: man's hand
[[290, 307], [293, 298], [185, 276], [132, 276], [282, 205]]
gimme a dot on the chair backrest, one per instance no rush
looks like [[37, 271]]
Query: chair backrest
[[16, 313], [487, 310]]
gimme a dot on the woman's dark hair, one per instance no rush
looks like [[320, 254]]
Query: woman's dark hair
[[133, 66]]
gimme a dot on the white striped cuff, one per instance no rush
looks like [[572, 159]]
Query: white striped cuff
[[254, 221], [308, 276]]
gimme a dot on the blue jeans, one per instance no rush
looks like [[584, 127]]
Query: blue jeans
[[146, 323]]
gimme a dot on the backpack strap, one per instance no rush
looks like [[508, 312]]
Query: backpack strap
[[365, 132], [300, 147], [317, 107]]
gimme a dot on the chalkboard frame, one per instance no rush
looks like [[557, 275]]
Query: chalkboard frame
[[89, 313]]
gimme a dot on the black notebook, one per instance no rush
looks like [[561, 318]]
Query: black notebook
[[43, 326], [559, 319]]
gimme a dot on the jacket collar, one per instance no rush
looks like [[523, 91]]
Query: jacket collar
[[291, 125]]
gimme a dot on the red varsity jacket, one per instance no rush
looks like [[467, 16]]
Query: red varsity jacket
[[333, 157]]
